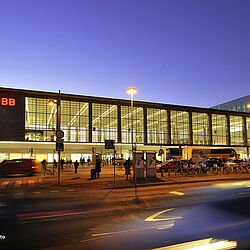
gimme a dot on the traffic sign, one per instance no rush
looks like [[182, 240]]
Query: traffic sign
[[59, 146], [59, 134], [109, 144]]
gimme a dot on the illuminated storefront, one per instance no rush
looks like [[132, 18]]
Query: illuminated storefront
[[28, 125]]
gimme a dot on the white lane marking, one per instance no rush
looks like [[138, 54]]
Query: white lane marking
[[31, 182], [70, 190], [4, 183], [53, 191], [18, 183], [176, 192]]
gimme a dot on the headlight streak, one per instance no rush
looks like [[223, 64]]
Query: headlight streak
[[208, 244], [153, 217]]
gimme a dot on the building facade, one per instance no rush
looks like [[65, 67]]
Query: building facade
[[28, 125], [239, 105]]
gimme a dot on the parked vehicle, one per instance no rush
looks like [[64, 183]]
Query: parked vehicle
[[169, 165], [119, 161], [19, 166]]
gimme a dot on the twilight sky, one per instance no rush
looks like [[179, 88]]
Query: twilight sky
[[187, 52]]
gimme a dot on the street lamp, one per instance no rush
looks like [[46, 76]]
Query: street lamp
[[51, 103], [132, 92], [248, 106]]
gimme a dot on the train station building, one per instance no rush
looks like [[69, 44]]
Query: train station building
[[28, 126]]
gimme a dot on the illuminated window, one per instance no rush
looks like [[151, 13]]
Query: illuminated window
[[157, 126], [200, 125], [41, 120], [126, 124], [179, 127], [104, 122], [236, 130], [248, 130], [219, 129]]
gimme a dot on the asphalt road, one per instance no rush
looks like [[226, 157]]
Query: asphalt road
[[34, 216]]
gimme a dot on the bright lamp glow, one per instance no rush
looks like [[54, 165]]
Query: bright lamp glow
[[132, 91], [51, 103], [248, 105]]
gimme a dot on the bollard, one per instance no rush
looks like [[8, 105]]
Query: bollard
[[169, 172]]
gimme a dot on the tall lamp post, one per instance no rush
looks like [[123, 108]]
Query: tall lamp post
[[248, 106], [132, 92], [58, 128]]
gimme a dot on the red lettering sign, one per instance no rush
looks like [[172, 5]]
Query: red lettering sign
[[7, 101]]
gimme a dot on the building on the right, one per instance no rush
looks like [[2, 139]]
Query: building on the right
[[239, 105]]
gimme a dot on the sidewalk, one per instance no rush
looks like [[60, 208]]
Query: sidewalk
[[107, 181]]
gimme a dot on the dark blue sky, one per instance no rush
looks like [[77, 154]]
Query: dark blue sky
[[188, 52]]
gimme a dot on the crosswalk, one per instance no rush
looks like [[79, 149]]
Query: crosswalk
[[20, 183]]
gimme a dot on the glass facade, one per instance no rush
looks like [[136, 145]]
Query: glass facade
[[236, 130], [200, 124], [75, 121], [104, 122], [179, 127], [41, 119], [219, 129], [126, 124], [157, 126], [248, 130]]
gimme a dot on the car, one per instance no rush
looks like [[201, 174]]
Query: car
[[119, 161], [19, 166], [209, 162], [169, 165]]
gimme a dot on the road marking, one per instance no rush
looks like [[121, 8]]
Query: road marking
[[70, 190], [18, 183], [176, 192], [5, 183], [53, 191], [31, 182]]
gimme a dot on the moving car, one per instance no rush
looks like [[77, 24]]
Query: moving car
[[19, 166]]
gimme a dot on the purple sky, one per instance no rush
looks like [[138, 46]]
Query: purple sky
[[188, 52]]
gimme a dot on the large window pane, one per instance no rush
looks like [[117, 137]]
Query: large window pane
[[248, 130], [179, 127], [219, 129], [126, 124], [200, 125], [157, 126], [236, 130], [104, 122], [41, 120]]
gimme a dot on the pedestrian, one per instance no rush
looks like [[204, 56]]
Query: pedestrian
[[98, 167], [127, 166], [76, 164], [83, 161], [88, 161], [70, 163], [54, 167], [62, 163], [44, 166]]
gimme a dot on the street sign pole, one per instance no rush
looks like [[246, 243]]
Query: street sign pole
[[114, 167], [58, 128]]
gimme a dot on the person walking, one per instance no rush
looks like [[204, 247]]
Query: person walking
[[127, 166], [98, 167], [54, 167], [44, 166], [76, 164]]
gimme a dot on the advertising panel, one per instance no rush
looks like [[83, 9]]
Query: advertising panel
[[139, 164], [150, 164]]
